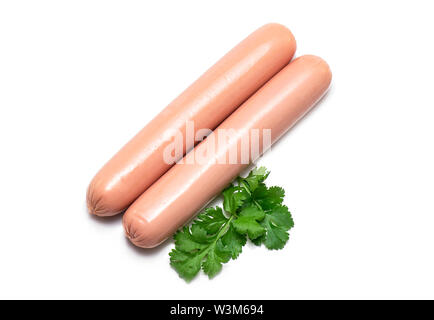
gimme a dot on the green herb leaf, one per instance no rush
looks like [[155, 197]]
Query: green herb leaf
[[247, 222], [195, 243], [187, 265], [211, 220], [233, 242], [252, 210], [215, 258], [233, 198], [268, 198], [277, 222], [255, 177]]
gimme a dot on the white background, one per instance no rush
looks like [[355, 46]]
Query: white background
[[80, 78]]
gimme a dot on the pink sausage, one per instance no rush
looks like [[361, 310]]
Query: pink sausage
[[207, 102], [186, 188]]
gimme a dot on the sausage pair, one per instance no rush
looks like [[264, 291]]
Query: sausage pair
[[161, 196]]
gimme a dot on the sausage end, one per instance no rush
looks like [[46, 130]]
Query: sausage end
[[96, 205], [322, 67], [137, 231]]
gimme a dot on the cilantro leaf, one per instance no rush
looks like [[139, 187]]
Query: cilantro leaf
[[215, 258], [187, 265], [268, 198], [251, 210], [233, 242], [277, 222], [211, 220], [247, 222], [255, 177], [281, 216], [259, 240], [233, 198], [208, 243], [194, 243]]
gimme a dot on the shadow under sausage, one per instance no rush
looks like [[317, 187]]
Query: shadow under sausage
[[151, 251]]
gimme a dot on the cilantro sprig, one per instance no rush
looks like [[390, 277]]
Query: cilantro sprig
[[251, 211]]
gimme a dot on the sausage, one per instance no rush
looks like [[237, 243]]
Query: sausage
[[206, 103], [188, 186]]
